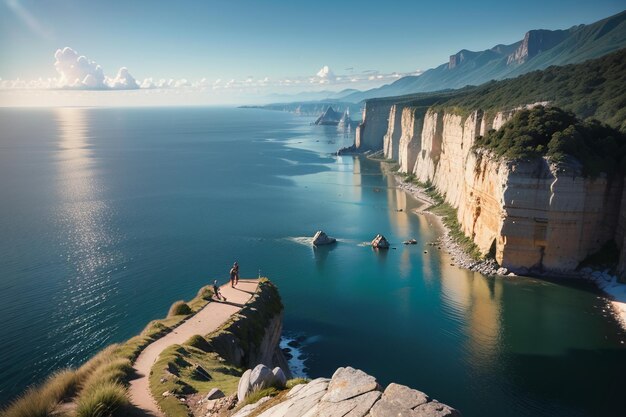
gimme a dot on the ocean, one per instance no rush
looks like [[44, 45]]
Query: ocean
[[109, 215]]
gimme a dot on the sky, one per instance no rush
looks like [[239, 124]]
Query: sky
[[239, 50]]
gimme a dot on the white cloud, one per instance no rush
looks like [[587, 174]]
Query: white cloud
[[123, 81], [78, 72], [324, 76]]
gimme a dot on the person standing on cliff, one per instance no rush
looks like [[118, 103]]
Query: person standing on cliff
[[216, 291], [234, 275]]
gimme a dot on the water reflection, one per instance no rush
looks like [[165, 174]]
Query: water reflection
[[86, 240], [475, 302]]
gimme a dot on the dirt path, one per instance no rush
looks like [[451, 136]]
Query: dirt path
[[212, 316]]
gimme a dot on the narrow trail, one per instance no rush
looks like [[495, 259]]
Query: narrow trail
[[207, 320]]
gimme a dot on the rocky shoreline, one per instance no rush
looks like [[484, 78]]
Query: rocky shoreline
[[614, 292]]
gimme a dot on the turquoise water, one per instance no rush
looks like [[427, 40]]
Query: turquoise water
[[107, 216]]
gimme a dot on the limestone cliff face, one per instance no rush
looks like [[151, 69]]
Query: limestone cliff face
[[370, 132], [535, 42], [391, 140], [528, 214]]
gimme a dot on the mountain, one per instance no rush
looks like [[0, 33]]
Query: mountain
[[538, 50]]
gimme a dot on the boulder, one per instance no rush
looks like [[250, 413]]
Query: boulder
[[280, 379], [380, 242], [214, 394], [349, 382], [322, 238], [259, 378], [244, 385]]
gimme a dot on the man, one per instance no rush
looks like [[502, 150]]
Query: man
[[216, 291], [234, 275]]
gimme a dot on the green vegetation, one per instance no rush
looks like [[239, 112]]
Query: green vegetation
[[448, 216], [557, 134], [257, 394], [296, 381], [41, 401], [592, 89], [174, 373], [96, 386], [107, 399], [179, 308]]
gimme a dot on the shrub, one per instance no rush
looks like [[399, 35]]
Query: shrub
[[206, 292], [179, 308], [106, 400], [198, 342]]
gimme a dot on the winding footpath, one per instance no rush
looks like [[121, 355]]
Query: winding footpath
[[207, 320]]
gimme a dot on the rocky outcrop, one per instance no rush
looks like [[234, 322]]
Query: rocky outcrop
[[353, 393], [380, 242], [321, 238], [252, 336], [536, 42]]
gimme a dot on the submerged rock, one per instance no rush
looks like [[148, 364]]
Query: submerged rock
[[380, 242], [410, 242], [322, 238]]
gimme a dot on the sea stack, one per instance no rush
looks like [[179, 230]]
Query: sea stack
[[380, 242], [322, 238]]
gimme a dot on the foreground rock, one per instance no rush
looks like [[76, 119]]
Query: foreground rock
[[352, 392], [322, 238], [259, 378], [380, 242]]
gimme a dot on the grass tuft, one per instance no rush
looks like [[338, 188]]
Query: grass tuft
[[198, 342], [41, 401], [179, 308], [296, 381], [108, 399]]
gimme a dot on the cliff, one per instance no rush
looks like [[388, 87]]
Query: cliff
[[252, 336], [528, 214]]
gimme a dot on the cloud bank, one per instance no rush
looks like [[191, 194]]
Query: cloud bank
[[78, 72]]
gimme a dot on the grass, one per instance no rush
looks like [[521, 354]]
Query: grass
[[296, 381], [257, 394], [41, 401], [108, 399], [174, 372], [179, 308]]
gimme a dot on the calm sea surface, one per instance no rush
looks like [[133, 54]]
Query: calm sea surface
[[107, 216]]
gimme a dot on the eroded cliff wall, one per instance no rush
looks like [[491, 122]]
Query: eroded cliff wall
[[371, 131], [527, 214]]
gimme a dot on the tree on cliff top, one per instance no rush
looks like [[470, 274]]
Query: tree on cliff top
[[557, 134]]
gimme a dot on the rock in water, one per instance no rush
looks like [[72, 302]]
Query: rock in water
[[322, 238], [380, 242]]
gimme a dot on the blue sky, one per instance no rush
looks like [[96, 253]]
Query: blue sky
[[238, 39]]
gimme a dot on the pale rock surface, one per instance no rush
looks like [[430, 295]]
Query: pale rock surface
[[258, 378], [380, 242], [321, 238], [353, 393]]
